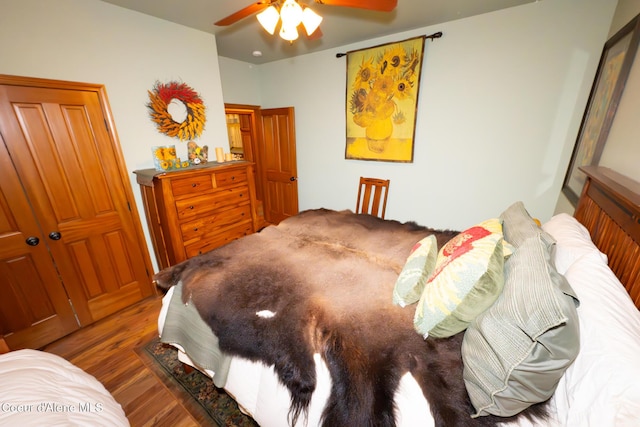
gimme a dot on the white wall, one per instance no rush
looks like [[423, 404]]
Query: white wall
[[96, 42], [625, 12], [500, 104], [242, 82]]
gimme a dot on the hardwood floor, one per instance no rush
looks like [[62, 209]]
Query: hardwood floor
[[107, 350]]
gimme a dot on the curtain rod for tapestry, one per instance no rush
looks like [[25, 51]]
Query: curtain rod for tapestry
[[430, 36]]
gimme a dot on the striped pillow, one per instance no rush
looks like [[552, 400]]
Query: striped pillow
[[515, 353]]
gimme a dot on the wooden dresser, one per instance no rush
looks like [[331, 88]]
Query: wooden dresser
[[198, 209]]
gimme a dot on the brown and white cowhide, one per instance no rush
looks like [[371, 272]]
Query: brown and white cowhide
[[321, 282]]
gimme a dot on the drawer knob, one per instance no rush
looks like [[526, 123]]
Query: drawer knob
[[195, 229], [194, 185], [191, 207], [233, 178]]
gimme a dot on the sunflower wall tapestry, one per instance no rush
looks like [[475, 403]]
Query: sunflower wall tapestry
[[381, 102]]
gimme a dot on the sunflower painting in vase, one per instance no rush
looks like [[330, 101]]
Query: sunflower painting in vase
[[164, 158], [382, 96]]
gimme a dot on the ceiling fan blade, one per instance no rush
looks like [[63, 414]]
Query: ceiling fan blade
[[378, 5], [243, 13]]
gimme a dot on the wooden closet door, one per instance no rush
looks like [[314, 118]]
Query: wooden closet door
[[69, 167], [279, 165], [34, 307]]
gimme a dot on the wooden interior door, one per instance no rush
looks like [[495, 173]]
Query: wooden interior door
[[63, 146], [34, 308], [279, 166]]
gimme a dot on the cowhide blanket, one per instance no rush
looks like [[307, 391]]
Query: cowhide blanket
[[321, 282]]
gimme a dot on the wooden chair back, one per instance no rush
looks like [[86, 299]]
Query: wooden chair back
[[372, 192]]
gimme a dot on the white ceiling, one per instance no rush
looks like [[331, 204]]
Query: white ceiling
[[341, 25]]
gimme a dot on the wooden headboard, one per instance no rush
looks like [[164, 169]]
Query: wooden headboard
[[610, 209]]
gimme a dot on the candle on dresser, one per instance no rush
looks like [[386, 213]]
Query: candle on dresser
[[219, 155], [228, 157]]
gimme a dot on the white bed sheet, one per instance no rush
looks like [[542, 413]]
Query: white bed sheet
[[42, 389]]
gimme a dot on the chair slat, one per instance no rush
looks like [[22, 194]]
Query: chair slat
[[379, 189]]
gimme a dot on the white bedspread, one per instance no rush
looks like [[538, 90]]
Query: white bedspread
[[42, 389]]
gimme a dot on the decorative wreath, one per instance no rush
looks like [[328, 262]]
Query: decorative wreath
[[162, 95]]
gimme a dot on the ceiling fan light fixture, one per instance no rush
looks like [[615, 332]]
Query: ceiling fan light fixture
[[291, 14], [288, 33], [269, 18], [310, 20]]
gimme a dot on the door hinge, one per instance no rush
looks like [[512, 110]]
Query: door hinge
[[129, 206], [106, 125]]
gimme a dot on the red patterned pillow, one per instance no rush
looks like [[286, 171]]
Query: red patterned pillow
[[467, 279]]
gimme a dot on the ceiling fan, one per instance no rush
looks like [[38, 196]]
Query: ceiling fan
[[292, 15]]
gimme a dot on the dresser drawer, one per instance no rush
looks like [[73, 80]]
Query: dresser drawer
[[205, 245], [205, 226], [207, 203], [195, 210], [233, 177], [191, 185]]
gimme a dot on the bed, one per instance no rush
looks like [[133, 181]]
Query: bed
[[540, 327], [40, 388]]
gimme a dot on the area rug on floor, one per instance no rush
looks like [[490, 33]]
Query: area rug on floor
[[220, 407]]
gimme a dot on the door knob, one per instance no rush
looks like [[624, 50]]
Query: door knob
[[32, 241], [54, 235], [293, 178]]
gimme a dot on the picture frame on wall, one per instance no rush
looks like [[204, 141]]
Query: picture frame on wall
[[614, 67], [382, 99]]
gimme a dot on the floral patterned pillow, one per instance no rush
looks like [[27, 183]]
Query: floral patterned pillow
[[416, 271], [467, 280]]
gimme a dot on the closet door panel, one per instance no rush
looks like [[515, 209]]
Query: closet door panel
[[41, 158], [34, 308], [84, 143], [67, 162]]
